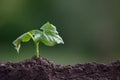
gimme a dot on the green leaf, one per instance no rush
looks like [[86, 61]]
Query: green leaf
[[50, 36], [23, 38], [36, 35]]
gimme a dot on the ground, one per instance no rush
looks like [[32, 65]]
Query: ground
[[43, 69]]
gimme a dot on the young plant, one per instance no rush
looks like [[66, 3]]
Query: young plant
[[47, 35]]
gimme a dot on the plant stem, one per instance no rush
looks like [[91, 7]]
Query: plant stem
[[37, 49]]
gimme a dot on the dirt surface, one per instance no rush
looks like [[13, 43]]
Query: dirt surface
[[43, 69]]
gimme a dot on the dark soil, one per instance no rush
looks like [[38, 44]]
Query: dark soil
[[43, 69]]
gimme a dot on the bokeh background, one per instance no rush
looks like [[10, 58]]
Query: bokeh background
[[89, 28]]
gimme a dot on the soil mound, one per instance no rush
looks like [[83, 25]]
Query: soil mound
[[43, 69]]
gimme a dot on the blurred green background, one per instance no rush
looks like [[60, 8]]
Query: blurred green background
[[89, 28]]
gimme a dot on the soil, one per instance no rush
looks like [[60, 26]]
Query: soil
[[43, 69]]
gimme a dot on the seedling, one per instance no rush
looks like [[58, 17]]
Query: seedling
[[47, 35]]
